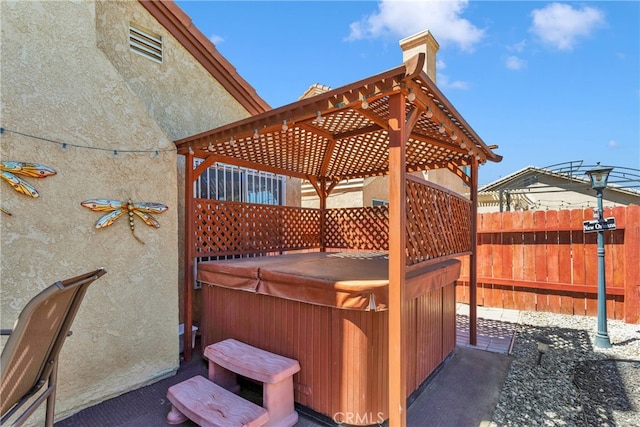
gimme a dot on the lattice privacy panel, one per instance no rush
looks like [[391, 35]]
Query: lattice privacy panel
[[438, 223], [358, 228], [230, 228]]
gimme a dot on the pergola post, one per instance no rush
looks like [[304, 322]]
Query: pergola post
[[323, 209], [397, 260], [189, 245], [473, 258]]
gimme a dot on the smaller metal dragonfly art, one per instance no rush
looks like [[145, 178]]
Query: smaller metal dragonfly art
[[9, 170], [117, 208]]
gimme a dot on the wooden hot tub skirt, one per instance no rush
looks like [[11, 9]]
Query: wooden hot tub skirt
[[341, 343]]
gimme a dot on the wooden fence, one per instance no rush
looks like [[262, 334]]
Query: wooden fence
[[544, 261]]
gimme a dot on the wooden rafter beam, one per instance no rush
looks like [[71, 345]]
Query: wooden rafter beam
[[412, 119], [449, 145], [253, 165], [334, 100], [359, 131], [326, 158], [454, 117], [312, 129], [379, 121], [458, 172], [207, 162]]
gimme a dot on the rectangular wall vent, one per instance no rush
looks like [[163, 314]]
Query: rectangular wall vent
[[145, 44]]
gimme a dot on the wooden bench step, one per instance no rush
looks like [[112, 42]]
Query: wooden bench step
[[251, 362], [209, 405]]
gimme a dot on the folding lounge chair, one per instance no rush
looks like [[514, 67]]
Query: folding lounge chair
[[29, 359]]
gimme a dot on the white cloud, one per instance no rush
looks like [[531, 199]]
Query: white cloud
[[216, 39], [517, 47], [560, 25], [515, 63], [621, 55], [404, 18], [443, 82], [440, 64], [613, 144]]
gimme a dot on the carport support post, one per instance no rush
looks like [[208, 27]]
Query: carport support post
[[397, 261]]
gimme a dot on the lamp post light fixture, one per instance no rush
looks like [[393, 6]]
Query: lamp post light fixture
[[543, 346], [599, 177]]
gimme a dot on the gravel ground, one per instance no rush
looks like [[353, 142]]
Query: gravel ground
[[576, 384]]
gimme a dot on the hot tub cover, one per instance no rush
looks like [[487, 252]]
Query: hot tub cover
[[348, 280]]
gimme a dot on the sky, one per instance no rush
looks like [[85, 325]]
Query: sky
[[548, 82]]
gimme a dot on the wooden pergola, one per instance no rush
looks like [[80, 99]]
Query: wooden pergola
[[392, 124]]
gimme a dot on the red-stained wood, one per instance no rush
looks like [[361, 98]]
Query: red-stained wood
[[448, 324], [564, 260], [495, 296], [540, 255], [462, 292], [411, 362], [342, 353], [563, 278], [610, 255], [590, 260], [589, 304], [554, 287], [553, 266], [188, 257], [518, 252], [632, 266], [485, 257], [614, 242], [506, 259], [526, 298], [473, 258], [397, 261]]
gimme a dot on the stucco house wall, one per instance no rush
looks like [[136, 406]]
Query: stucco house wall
[[346, 194], [74, 98]]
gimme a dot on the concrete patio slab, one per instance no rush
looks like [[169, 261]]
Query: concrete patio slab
[[463, 392]]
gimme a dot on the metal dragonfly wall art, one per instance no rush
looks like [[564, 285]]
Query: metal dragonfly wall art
[[9, 170], [117, 208]]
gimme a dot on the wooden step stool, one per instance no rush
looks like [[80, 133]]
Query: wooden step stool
[[209, 405], [230, 357]]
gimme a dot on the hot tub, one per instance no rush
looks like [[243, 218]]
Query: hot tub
[[329, 312]]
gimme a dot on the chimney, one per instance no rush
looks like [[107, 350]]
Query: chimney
[[422, 42]]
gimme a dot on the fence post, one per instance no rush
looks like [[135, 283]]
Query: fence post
[[632, 265]]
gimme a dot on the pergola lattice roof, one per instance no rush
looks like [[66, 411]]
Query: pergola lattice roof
[[336, 135]]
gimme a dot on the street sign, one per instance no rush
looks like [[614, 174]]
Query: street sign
[[599, 225]]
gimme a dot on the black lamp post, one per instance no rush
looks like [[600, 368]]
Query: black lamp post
[[599, 177]]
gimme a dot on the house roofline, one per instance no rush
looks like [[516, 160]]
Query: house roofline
[[494, 186], [180, 25]]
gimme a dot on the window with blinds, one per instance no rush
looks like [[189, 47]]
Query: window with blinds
[[234, 183], [238, 184]]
